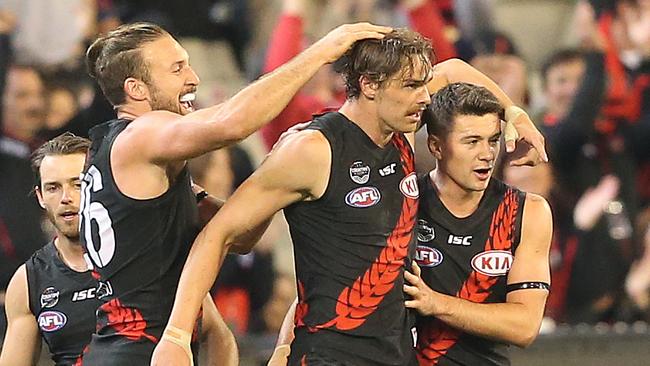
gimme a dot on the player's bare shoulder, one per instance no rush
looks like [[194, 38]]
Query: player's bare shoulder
[[304, 158]]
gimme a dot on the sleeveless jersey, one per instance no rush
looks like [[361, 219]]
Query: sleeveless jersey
[[138, 248], [63, 302], [468, 258], [350, 249]]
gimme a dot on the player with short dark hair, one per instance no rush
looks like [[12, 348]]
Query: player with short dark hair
[[482, 273]]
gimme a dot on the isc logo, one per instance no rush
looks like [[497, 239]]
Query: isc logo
[[363, 197], [492, 262], [50, 321], [84, 294], [427, 257], [409, 186], [459, 240]]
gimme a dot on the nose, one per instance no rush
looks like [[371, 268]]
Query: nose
[[488, 152], [69, 194], [424, 97], [193, 78]]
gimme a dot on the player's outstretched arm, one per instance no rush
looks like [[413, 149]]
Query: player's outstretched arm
[[519, 125], [22, 343], [162, 136], [516, 321], [296, 171], [218, 345]]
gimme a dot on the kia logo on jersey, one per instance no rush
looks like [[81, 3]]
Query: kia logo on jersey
[[363, 197], [492, 262], [427, 257], [50, 321], [409, 186]]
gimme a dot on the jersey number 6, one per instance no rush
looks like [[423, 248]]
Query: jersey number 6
[[100, 244]]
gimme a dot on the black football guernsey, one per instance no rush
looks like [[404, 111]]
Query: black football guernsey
[[63, 302], [468, 258], [138, 248], [350, 249]]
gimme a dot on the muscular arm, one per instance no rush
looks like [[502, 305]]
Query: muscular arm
[[161, 137], [22, 344], [218, 346], [297, 170], [516, 321]]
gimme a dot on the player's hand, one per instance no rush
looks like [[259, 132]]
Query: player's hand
[[522, 129], [422, 296], [339, 40], [167, 353]]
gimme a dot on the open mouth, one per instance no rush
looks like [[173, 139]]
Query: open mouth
[[69, 215], [483, 173], [187, 101]]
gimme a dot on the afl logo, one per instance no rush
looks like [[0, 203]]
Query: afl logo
[[409, 186], [51, 321], [363, 197], [427, 257], [49, 297], [359, 173], [492, 262]]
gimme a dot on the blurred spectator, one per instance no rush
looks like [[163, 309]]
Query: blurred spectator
[[584, 148], [51, 33]]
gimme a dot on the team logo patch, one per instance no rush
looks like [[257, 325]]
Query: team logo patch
[[363, 197], [409, 186], [51, 321], [49, 297], [104, 289], [425, 231], [427, 256], [492, 262], [359, 173]]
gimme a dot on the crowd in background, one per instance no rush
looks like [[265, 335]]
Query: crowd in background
[[581, 68]]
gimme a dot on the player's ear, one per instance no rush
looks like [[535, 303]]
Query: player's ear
[[39, 196], [435, 146], [136, 89], [368, 87]]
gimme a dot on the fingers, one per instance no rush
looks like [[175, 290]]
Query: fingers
[[411, 278], [368, 27], [416, 269], [510, 135], [411, 304], [411, 290], [531, 158]]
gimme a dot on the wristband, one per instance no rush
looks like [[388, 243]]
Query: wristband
[[180, 338], [528, 285]]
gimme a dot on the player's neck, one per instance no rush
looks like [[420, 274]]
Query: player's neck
[[367, 120], [458, 200], [132, 111], [71, 253]]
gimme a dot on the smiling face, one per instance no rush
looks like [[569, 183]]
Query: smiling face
[[401, 99], [60, 191], [172, 82], [467, 153]]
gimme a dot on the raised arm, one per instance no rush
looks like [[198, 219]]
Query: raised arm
[[160, 136], [298, 170], [516, 321], [22, 342], [523, 128], [218, 345]]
